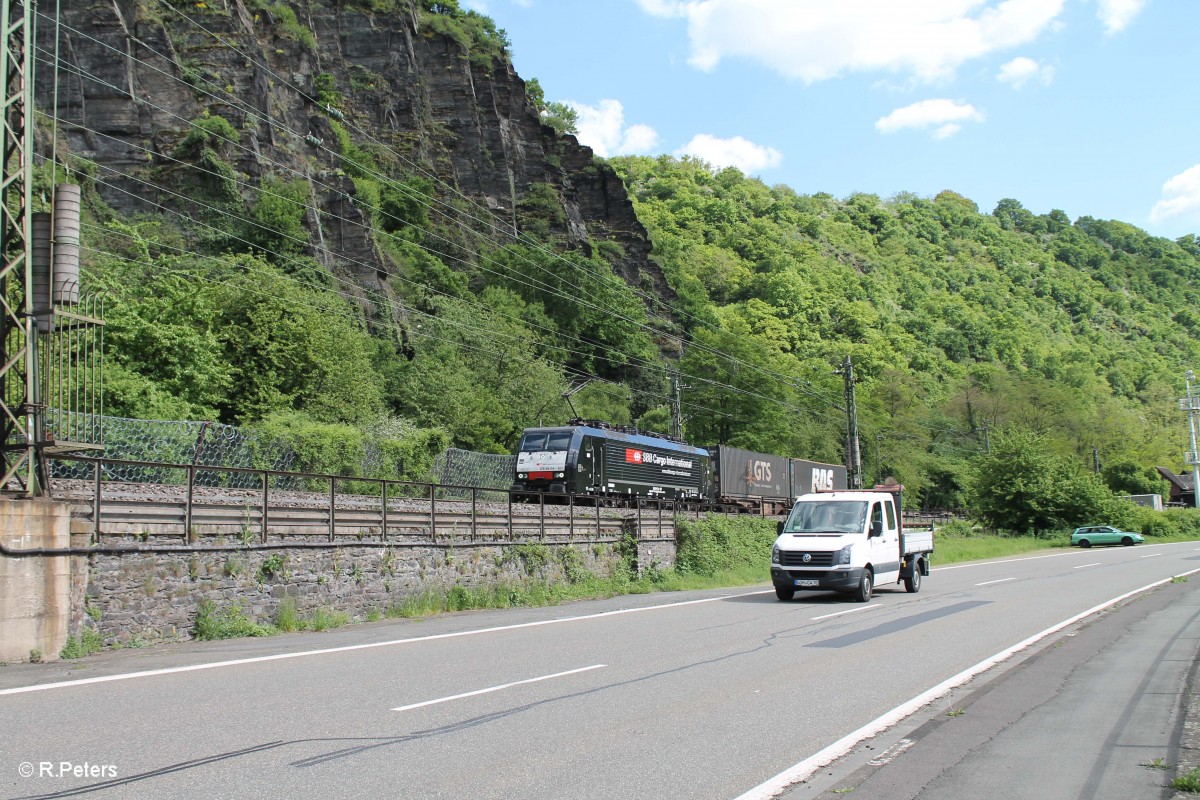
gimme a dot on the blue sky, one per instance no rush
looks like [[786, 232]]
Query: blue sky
[[1089, 106]]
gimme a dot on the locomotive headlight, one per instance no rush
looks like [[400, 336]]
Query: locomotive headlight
[[559, 475], [522, 475], [775, 554], [843, 556]]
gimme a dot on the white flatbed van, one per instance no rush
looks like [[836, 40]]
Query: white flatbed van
[[850, 542]]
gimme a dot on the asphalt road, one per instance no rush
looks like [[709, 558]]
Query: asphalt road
[[695, 695]]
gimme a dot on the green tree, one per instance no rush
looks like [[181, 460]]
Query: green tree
[[290, 346], [1024, 487], [1128, 477], [561, 116]]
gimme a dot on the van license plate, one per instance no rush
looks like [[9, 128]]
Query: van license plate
[[808, 584]]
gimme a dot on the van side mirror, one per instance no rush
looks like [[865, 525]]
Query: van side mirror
[[876, 528], [779, 528]]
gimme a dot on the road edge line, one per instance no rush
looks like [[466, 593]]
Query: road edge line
[[776, 786]]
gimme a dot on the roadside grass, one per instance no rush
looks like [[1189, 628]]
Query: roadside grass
[[1188, 783], [89, 642], [230, 622]]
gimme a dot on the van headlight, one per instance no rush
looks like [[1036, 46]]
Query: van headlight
[[843, 556], [775, 554]]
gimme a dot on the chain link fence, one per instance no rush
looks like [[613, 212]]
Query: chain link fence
[[467, 468], [205, 444], [209, 444]]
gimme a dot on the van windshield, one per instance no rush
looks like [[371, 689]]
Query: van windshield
[[555, 440], [828, 516]]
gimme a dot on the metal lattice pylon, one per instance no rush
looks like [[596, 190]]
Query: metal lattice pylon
[[18, 356]]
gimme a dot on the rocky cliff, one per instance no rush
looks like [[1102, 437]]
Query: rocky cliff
[[307, 89]]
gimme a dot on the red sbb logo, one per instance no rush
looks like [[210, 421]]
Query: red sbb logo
[[633, 456]]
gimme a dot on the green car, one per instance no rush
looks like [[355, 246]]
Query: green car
[[1104, 534]]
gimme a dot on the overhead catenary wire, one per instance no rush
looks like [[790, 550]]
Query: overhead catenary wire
[[628, 358], [427, 201], [498, 354], [707, 381]]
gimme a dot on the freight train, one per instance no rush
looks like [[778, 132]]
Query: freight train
[[590, 461]]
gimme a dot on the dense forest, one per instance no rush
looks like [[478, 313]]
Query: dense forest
[[969, 330]]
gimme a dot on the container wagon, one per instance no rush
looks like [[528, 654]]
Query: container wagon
[[807, 477], [750, 481]]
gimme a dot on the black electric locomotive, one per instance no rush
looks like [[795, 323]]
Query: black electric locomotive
[[591, 459]]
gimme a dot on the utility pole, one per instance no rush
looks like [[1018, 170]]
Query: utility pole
[[676, 408], [853, 452], [1191, 405]]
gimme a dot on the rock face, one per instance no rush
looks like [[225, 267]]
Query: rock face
[[134, 75]]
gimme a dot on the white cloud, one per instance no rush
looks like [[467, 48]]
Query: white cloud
[[1181, 198], [603, 129], [663, 8], [736, 152], [1117, 14], [940, 115], [819, 39], [1019, 71]]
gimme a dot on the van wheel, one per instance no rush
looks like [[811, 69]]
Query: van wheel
[[865, 584], [912, 584], [785, 592]]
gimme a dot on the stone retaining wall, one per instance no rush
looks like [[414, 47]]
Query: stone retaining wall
[[143, 598], [147, 594]]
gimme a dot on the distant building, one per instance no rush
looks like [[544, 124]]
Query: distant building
[[1182, 491], [1149, 500]]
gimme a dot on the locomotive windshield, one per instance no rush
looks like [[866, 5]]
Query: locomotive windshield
[[828, 516], [555, 440]]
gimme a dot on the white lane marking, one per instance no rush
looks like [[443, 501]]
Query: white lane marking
[[501, 687], [1081, 566], [777, 785], [1027, 558], [370, 645], [1152, 555], [889, 755], [1001, 580], [848, 611]]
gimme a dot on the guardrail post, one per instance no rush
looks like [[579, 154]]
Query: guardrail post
[[596, 502], [187, 507], [432, 514], [473, 491], [571, 517], [542, 514], [511, 535], [266, 483], [332, 505], [639, 513], [96, 503], [386, 537]]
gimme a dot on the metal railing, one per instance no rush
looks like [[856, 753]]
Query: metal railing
[[192, 504]]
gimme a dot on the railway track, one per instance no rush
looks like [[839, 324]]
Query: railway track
[[156, 513]]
